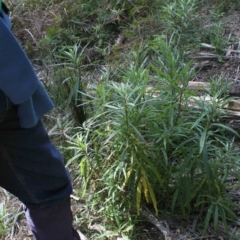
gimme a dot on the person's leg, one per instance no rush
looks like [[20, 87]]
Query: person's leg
[[32, 169], [53, 222]]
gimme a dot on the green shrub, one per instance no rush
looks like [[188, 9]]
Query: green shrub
[[149, 145]]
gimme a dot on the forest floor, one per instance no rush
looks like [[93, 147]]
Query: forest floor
[[209, 65]]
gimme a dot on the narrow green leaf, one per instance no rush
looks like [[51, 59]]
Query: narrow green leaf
[[215, 218], [223, 217], [145, 188], [165, 156], [153, 169], [202, 141], [207, 218], [198, 189], [111, 106], [139, 135], [227, 128], [138, 196], [229, 212], [197, 122], [175, 196], [73, 158], [153, 198]]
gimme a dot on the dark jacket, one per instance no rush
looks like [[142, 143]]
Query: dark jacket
[[18, 79]]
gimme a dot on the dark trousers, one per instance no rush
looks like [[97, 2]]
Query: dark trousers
[[32, 169]]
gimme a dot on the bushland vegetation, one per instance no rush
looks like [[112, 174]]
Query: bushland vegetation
[[118, 73]]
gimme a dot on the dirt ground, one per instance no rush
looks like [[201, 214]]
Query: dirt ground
[[211, 64]]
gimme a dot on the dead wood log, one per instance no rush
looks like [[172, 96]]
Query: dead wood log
[[161, 225], [233, 105], [213, 56], [232, 109], [191, 85], [198, 85], [227, 50]]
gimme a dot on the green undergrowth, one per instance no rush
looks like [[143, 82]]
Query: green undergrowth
[[144, 145], [118, 73]]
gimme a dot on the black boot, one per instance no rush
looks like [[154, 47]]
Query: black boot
[[52, 223]]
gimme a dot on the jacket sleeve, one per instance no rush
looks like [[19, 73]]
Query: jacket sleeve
[[18, 79]]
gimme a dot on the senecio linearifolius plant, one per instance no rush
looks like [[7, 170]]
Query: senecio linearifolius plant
[[178, 14], [144, 142]]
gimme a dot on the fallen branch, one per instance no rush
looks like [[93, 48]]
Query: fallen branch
[[213, 56], [74, 197], [157, 223], [81, 235], [198, 85], [232, 106], [228, 51], [232, 109], [203, 237]]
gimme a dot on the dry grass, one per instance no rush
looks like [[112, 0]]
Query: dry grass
[[14, 221]]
